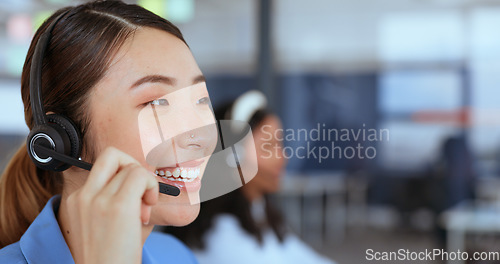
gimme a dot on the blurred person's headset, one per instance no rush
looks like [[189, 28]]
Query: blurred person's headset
[[246, 105], [243, 109], [54, 143]]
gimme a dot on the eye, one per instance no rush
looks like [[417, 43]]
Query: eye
[[160, 102], [204, 100]]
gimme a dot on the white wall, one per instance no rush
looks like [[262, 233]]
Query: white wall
[[324, 35], [11, 109]]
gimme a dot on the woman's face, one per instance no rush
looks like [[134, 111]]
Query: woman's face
[[269, 158], [147, 105]]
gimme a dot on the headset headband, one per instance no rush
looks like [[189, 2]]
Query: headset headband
[[36, 73], [247, 105]]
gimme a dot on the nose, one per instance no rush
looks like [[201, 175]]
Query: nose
[[202, 138], [194, 131]]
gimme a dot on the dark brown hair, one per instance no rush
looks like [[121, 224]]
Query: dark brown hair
[[82, 45], [234, 203]]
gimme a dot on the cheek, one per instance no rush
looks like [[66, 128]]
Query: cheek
[[263, 150], [113, 129], [266, 159], [263, 161], [149, 139]]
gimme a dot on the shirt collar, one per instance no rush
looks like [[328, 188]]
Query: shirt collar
[[146, 256], [43, 242]]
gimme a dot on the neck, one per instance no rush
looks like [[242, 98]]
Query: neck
[[252, 194]]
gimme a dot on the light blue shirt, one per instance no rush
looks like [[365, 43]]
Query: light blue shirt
[[227, 243], [43, 242]]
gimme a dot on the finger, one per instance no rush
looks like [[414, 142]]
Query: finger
[[150, 197], [116, 182], [139, 189], [145, 213], [139, 184], [105, 167]]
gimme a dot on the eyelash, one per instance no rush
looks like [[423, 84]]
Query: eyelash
[[163, 102], [204, 100], [157, 102]]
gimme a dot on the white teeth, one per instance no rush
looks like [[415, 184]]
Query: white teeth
[[180, 174], [156, 172], [180, 179]]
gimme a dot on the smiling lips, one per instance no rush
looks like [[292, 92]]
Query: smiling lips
[[179, 174], [183, 175]]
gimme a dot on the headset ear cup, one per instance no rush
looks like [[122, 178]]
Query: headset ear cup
[[59, 134], [70, 130], [51, 137]]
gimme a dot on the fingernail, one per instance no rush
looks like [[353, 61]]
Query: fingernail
[[148, 215]]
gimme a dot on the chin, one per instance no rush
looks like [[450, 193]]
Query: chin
[[174, 214]]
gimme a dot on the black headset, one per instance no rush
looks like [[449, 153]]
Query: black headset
[[53, 135], [55, 143]]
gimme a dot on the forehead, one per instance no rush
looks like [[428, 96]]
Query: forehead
[[151, 52], [272, 120]]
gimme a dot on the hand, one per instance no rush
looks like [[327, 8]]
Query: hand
[[107, 213]]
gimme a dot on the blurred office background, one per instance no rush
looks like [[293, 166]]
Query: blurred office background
[[425, 70]]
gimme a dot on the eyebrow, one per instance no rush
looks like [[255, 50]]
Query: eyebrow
[[199, 79], [156, 78]]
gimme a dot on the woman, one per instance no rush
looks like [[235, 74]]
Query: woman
[[243, 226], [106, 65]]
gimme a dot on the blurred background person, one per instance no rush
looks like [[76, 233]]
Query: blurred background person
[[244, 226]]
